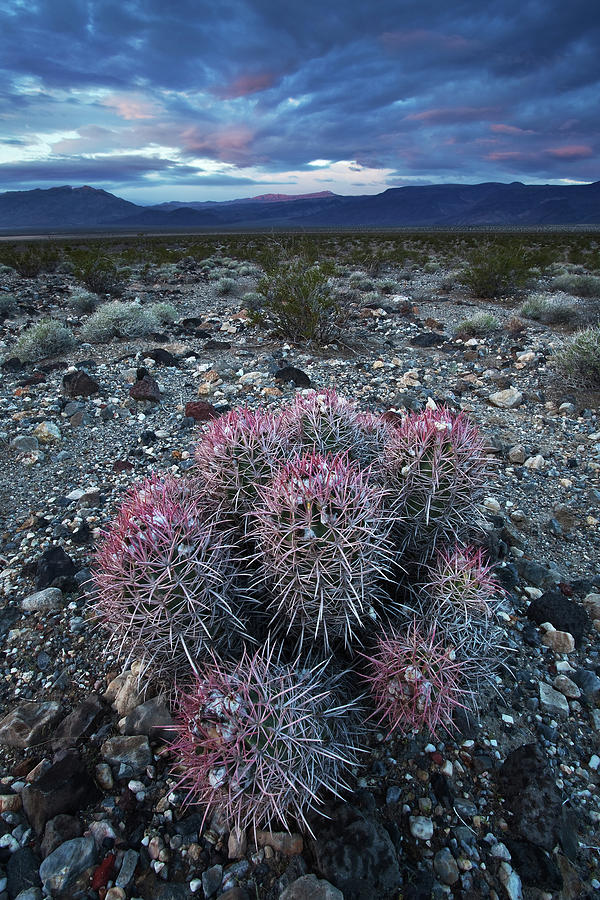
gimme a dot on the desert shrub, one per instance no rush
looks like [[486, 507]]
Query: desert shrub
[[550, 309], [299, 304], [495, 271], [449, 281], [252, 300], [8, 304], [164, 313], [118, 319], [321, 535], [579, 285], [249, 271], [387, 286], [479, 324], [361, 281], [579, 358], [225, 286], [83, 301], [46, 338], [101, 276], [30, 261]]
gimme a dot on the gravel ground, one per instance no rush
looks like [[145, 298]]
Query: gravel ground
[[507, 807]]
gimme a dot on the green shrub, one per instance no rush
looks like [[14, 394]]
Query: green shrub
[[579, 358], [164, 313], [495, 271], [83, 301], [580, 285], [101, 276], [298, 303], [387, 286], [225, 286], [480, 323], [252, 300], [46, 338], [118, 319], [30, 261], [361, 281], [549, 309]]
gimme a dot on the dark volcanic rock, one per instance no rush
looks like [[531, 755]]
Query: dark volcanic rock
[[355, 853], [28, 724], [54, 564], [79, 384], [161, 357], [77, 724], [63, 788], [145, 388], [201, 411], [58, 830], [22, 871], [536, 868], [564, 614], [427, 339], [291, 373], [527, 785]]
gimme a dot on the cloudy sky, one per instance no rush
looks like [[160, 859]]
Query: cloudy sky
[[195, 100]]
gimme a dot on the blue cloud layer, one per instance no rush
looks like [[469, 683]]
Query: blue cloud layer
[[144, 93]]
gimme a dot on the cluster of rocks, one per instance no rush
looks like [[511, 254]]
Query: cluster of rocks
[[89, 808]]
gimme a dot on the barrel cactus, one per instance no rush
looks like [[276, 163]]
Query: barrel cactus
[[321, 531], [259, 740], [165, 578]]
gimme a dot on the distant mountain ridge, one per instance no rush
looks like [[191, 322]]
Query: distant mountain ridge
[[450, 205]]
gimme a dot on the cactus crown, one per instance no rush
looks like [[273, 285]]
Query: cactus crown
[[319, 513]]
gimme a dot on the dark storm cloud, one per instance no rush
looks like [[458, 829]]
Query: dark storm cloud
[[426, 89]]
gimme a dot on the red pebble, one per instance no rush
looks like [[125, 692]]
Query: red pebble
[[104, 873]]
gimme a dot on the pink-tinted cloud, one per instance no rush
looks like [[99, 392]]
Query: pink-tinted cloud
[[231, 144], [397, 40], [499, 155], [244, 85], [570, 151], [131, 107], [510, 129], [452, 114]]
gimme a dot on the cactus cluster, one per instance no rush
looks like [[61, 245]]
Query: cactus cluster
[[335, 540]]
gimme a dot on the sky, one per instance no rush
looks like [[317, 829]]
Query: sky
[[159, 100]]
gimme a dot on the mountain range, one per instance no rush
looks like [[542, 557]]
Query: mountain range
[[449, 205]]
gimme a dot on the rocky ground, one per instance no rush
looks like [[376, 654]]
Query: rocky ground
[[509, 806]]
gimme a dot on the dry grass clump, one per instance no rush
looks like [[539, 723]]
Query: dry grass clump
[[118, 319], [479, 324], [550, 309], [83, 301], [579, 285], [165, 313], [579, 358], [46, 338]]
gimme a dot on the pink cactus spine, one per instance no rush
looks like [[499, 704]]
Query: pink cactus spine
[[260, 740], [324, 422], [460, 582], [437, 463], [238, 452], [415, 681], [321, 532], [164, 576]]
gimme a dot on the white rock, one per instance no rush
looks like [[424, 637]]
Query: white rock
[[536, 463], [421, 827], [50, 598], [552, 702], [508, 399]]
